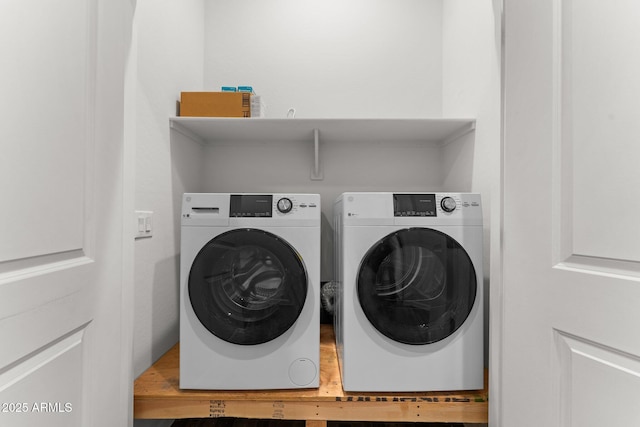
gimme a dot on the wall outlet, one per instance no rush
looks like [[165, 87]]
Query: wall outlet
[[143, 224]]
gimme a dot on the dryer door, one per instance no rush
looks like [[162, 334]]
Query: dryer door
[[247, 286], [417, 286]]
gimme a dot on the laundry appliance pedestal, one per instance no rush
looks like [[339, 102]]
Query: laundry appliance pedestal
[[158, 396]]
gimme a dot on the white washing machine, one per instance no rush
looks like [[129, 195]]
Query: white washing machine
[[249, 291], [409, 306]]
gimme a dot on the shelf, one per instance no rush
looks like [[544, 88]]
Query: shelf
[[158, 396], [212, 129], [208, 129]]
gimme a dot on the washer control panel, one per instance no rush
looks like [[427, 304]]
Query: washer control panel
[[296, 205], [272, 205], [209, 209], [251, 205]]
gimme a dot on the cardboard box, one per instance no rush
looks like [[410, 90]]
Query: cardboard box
[[215, 104]]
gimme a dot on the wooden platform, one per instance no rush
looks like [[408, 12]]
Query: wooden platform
[[249, 422], [157, 395]]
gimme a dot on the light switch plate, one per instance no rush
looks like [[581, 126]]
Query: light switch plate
[[143, 224]]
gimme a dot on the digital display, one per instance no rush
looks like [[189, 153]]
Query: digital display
[[248, 205], [414, 205]]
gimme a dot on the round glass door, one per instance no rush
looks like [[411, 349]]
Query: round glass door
[[417, 286], [247, 286]]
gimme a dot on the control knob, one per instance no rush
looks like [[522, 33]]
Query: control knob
[[284, 205], [448, 204]]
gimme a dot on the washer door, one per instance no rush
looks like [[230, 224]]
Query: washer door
[[417, 286], [247, 286]]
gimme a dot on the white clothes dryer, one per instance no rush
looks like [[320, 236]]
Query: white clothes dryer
[[409, 312], [249, 291]]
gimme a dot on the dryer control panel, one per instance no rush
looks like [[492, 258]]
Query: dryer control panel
[[431, 205], [409, 208], [414, 205]]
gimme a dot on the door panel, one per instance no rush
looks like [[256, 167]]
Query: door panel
[[56, 406], [571, 239], [47, 91], [45, 169], [45, 253], [597, 384], [598, 96]]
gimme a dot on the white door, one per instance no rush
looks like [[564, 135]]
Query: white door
[[64, 357], [570, 331]]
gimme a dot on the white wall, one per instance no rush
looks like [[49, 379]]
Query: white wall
[[170, 45], [329, 58]]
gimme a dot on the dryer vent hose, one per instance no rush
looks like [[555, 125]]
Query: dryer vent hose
[[328, 296]]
